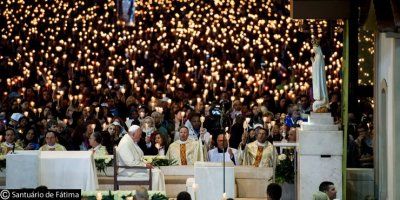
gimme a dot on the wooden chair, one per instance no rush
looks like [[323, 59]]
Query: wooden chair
[[124, 180]]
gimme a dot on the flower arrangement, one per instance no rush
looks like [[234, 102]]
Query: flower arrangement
[[159, 161], [284, 171], [120, 195], [102, 162], [156, 196]]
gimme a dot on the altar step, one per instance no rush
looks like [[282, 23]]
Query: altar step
[[173, 185]]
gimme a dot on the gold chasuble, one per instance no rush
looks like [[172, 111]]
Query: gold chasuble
[[185, 152], [258, 155], [56, 147], [7, 147]]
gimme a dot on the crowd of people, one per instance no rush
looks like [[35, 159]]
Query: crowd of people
[[75, 77]]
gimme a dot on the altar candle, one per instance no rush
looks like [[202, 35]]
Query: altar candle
[[194, 186]]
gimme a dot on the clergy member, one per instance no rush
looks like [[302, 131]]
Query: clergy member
[[9, 144], [95, 142], [51, 143], [185, 151], [129, 152], [260, 152], [216, 154]]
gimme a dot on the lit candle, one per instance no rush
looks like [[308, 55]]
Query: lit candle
[[99, 196], [202, 119], [40, 111], [183, 115]]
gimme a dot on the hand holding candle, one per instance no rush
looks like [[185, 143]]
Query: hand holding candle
[[202, 119]]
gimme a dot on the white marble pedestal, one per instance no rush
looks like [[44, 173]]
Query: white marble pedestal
[[22, 170], [320, 153], [208, 178]]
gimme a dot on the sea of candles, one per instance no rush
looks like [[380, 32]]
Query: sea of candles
[[246, 48]]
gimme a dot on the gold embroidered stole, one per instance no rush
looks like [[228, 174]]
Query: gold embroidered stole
[[258, 156], [183, 154]]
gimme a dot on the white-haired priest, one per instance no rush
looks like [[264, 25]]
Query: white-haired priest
[[130, 154]]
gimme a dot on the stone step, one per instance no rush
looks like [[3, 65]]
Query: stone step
[[320, 120], [320, 143], [320, 115], [319, 127]]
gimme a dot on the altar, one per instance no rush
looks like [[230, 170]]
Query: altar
[[54, 169]]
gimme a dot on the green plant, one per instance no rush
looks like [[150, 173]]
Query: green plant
[[102, 164], [158, 196], [163, 162], [284, 171], [2, 164], [125, 196]]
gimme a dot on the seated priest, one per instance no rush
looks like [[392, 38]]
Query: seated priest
[[260, 152], [9, 145], [216, 154], [95, 140], [51, 143], [186, 151], [130, 154]]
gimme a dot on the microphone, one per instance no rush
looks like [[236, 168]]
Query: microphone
[[13, 149]]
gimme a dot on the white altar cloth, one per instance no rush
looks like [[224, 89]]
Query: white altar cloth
[[68, 170], [20, 172]]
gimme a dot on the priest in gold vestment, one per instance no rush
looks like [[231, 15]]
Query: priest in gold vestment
[[51, 143], [260, 152], [9, 144], [185, 151]]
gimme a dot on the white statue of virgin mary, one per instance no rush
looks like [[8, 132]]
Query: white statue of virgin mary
[[320, 92]]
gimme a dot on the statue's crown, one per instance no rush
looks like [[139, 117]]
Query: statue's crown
[[315, 42]]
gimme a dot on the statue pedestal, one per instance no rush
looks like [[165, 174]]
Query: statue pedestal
[[319, 155]]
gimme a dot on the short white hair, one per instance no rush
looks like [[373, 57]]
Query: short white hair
[[133, 129]]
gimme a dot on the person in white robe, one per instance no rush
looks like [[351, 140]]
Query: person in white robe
[[185, 151], [130, 154], [217, 155], [259, 153]]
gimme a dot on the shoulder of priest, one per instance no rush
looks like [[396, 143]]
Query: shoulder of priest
[[5, 147], [56, 147], [100, 151]]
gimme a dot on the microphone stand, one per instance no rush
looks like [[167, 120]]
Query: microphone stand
[[223, 165], [13, 149]]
